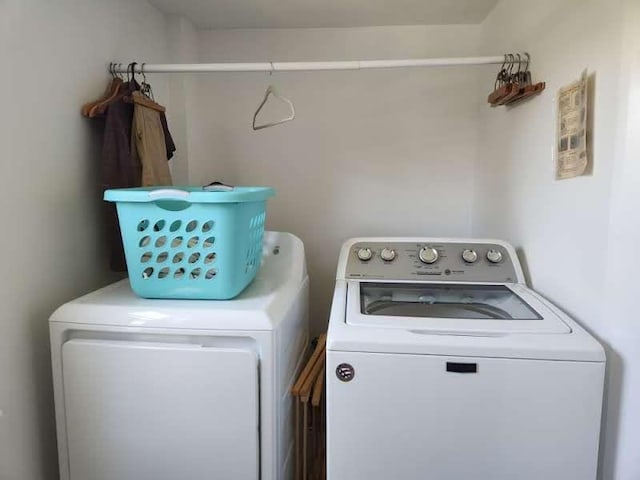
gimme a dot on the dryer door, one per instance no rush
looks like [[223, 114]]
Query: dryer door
[[160, 411]]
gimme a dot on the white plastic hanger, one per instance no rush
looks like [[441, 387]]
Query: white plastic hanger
[[271, 90]]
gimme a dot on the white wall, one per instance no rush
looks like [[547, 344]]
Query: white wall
[[620, 310], [574, 234], [369, 153], [182, 47], [54, 57]]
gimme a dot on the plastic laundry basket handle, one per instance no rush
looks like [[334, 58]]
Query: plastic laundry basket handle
[[169, 194]]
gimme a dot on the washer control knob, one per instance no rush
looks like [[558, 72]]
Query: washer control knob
[[388, 254], [428, 255], [494, 256], [470, 256], [365, 254]]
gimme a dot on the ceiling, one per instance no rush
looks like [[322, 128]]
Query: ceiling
[[218, 14]]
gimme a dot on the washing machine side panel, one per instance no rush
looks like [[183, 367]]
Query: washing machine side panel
[[292, 340], [146, 410], [56, 336], [408, 417]]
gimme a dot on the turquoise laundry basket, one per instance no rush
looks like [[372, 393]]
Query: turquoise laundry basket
[[187, 243]]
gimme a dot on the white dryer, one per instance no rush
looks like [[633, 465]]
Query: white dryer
[[181, 389], [442, 364]]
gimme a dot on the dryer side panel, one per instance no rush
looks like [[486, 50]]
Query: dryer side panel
[[160, 411], [414, 417]]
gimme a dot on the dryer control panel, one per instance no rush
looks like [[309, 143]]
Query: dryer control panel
[[437, 262]]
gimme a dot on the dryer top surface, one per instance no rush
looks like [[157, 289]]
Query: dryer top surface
[[279, 282]]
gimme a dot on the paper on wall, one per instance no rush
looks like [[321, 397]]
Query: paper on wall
[[571, 150]]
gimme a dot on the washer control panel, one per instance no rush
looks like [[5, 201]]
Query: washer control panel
[[442, 262]]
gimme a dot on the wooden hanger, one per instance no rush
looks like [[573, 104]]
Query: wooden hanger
[[502, 86], [86, 108], [528, 91], [101, 107], [307, 393], [518, 82], [499, 94], [144, 97], [319, 350], [316, 396], [121, 90], [112, 89], [511, 88], [514, 91], [140, 99]]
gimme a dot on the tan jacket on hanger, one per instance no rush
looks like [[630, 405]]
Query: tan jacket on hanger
[[148, 146]]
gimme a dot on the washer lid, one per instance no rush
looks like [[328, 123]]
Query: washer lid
[[477, 309]]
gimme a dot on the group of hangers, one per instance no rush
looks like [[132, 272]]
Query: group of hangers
[[271, 91], [118, 89], [122, 87], [512, 86]]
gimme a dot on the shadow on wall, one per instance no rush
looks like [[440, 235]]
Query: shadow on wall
[[78, 283], [591, 115], [43, 386], [39, 315]]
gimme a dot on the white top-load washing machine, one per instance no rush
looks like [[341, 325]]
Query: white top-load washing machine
[[181, 389], [442, 364]]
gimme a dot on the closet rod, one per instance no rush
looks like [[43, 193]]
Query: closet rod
[[308, 66]]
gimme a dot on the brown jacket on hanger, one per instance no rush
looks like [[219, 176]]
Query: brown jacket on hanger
[[148, 145], [119, 167]]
